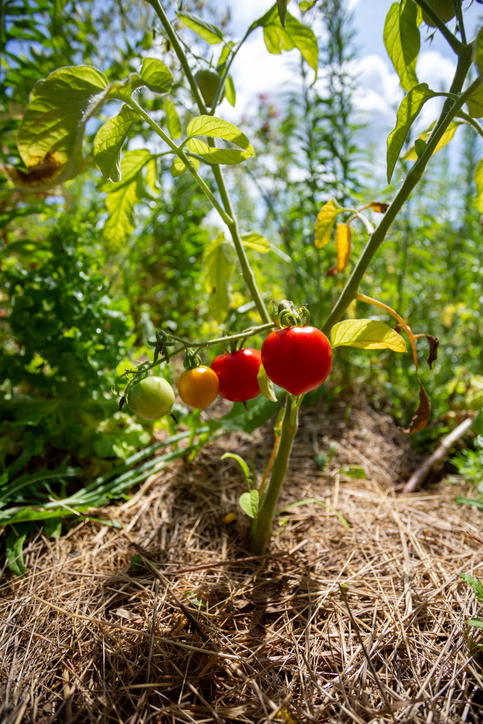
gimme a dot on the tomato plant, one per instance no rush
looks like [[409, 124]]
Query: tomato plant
[[297, 358], [443, 8], [237, 373], [150, 398], [198, 387], [208, 82]]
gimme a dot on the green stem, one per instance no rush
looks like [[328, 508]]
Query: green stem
[[228, 214], [180, 153], [450, 110], [471, 122], [262, 527], [228, 65], [456, 44]]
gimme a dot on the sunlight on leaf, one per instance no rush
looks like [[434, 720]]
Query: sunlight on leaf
[[257, 242], [411, 154], [218, 259], [343, 241], [366, 334], [209, 32], [325, 222], [173, 123], [402, 41], [249, 503], [156, 75], [109, 140]]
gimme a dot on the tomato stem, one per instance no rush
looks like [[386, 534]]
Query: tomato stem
[[262, 526]]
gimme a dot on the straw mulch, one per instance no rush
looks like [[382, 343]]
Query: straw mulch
[[366, 624]]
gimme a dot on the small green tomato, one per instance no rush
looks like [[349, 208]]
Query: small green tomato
[[150, 398]]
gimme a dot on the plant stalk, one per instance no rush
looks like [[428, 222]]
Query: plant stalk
[[262, 527], [449, 111]]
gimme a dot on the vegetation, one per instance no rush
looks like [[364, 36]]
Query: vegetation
[[106, 279]]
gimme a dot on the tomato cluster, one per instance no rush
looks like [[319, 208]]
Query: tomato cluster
[[295, 358]]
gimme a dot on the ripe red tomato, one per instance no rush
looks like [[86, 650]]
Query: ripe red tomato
[[297, 358], [237, 374], [198, 387]]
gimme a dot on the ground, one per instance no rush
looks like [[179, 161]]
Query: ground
[[365, 623]]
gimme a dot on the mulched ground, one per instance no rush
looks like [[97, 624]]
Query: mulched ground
[[366, 624]]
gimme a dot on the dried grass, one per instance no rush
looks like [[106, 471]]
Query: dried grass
[[85, 638]]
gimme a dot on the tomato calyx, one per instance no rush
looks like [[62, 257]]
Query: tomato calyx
[[285, 314], [192, 360]]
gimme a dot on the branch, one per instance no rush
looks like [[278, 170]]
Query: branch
[[456, 44]]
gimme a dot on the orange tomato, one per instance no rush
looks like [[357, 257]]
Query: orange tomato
[[198, 387]]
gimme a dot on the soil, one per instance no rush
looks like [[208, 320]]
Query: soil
[[357, 614]]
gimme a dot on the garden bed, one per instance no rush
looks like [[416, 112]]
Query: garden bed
[[163, 619]]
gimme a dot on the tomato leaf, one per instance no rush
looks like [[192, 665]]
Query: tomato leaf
[[479, 185], [213, 127], [257, 242], [266, 385], [422, 414], [50, 136], [178, 168], [366, 334], [407, 113], [218, 259], [411, 154], [241, 463], [230, 91], [249, 503], [343, 241], [156, 75], [109, 140], [208, 31], [325, 222], [402, 41], [123, 89], [475, 584], [475, 103], [282, 11], [293, 34], [173, 123]]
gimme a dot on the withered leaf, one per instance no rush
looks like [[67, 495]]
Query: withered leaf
[[379, 207], [42, 175], [433, 349], [332, 272], [422, 414]]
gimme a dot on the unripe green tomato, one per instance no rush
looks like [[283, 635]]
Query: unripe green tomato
[[208, 81], [443, 8], [150, 398]]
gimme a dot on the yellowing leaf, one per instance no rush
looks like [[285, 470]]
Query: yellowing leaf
[[366, 334], [411, 154], [257, 242], [402, 41], [343, 239], [293, 35], [325, 222], [50, 136], [407, 113], [479, 185], [218, 259], [218, 128]]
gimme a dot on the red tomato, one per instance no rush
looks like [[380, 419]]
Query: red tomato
[[297, 358], [237, 373], [198, 387]]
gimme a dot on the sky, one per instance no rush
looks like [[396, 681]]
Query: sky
[[377, 94]]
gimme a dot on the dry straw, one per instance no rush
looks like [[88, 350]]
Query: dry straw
[[335, 625]]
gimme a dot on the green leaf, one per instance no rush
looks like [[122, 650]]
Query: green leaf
[[478, 51], [294, 35], [475, 584], [240, 461], [230, 91], [151, 179], [366, 334], [282, 11], [53, 527], [213, 127], [305, 5], [479, 185], [226, 156], [178, 168], [218, 259], [50, 136], [407, 113], [325, 222], [123, 89], [249, 503], [173, 123], [257, 242], [353, 471], [109, 140], [475, 622], [411, 154], [258, 411], [266, 385], [122, 197], [475, 103], [209, 32], [156, 75], [402, 41], [14, 547]]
